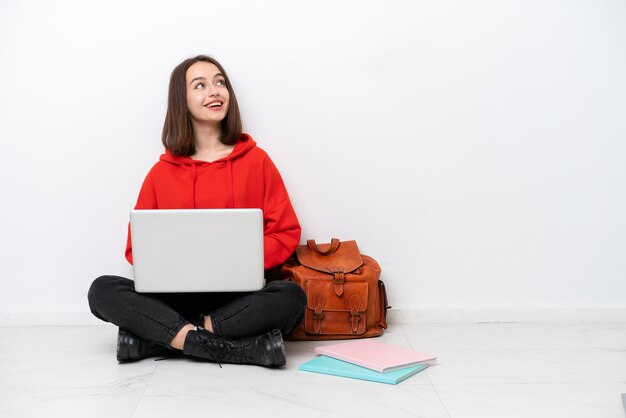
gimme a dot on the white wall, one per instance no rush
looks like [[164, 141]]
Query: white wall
[[476, 149]]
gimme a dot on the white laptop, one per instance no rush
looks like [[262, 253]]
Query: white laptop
[[197, 250]]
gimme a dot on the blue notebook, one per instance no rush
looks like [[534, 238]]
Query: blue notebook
[[329, 365]]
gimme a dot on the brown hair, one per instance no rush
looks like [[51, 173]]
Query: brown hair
[[177, 134]]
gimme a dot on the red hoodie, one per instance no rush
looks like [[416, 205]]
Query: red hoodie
[[246, 178]]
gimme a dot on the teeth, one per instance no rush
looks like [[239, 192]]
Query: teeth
[[215, 104]]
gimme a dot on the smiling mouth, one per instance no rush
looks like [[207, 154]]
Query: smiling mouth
[[214, 105]]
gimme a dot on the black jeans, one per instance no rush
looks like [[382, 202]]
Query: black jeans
[[158, 317]]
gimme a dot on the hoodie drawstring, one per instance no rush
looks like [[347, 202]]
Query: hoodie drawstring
[[194, 176], [231, 188]]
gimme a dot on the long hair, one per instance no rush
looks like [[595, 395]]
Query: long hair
[[177, 136]]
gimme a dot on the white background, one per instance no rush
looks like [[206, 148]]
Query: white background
[[476, 149]]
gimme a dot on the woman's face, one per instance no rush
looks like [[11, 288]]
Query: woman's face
[[207, 94]]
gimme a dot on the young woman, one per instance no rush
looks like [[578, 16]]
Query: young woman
[[208, 163]]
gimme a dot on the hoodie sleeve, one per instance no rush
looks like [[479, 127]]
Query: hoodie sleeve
[[282, 229], [146, 200]]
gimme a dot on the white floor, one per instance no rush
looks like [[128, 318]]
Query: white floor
[[485, 370]]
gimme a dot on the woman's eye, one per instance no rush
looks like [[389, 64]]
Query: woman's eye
[[199, 86], [221, 82]]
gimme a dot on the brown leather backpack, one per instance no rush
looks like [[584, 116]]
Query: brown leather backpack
[[345, 298]]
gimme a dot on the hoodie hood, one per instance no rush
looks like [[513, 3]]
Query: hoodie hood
[[245, 144], [220, 169]]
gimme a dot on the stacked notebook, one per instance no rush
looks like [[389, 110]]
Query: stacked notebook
[[368, 360]]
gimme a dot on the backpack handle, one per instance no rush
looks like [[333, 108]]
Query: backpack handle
[[334, 245]]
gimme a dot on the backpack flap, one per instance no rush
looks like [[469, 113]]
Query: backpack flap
[[336, 259]]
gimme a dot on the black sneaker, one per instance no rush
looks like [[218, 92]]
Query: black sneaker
[[132, 348], [263, 350]]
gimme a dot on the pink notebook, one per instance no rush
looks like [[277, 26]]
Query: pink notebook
[[375, 355]]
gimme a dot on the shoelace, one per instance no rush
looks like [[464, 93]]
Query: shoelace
[[210, 347], [229, 351]]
